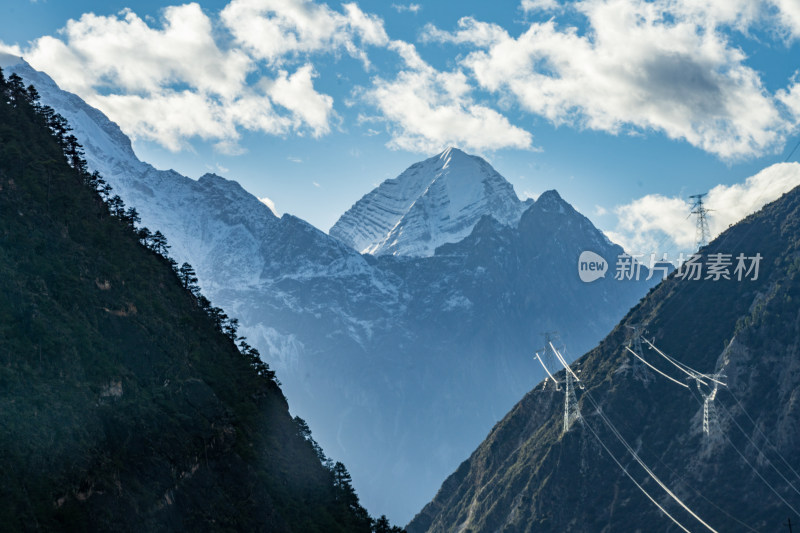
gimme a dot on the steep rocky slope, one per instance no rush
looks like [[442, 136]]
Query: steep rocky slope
[[123, 405], [386, 357], [528, 475]]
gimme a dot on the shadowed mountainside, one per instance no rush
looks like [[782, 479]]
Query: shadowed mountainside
[[124, 406], [530, 476]]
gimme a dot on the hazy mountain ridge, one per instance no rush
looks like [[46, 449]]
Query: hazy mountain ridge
[[527, 476], [387, 358]]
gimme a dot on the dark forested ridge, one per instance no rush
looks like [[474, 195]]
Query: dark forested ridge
[[528, 475], [125, 402]]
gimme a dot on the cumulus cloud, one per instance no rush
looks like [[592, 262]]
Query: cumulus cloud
[[184, 77], [296, 93], [789, 16], [628, 66], [411, 8], [275, 29], [269, 203], [790, 97], [539, 5], [639, 66], [470, 31], [647, 224], [427, 110], [9, 54]]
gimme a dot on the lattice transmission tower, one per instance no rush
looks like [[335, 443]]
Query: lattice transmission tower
[[571, 410], [702, 233], [635, 343], [551, 359]]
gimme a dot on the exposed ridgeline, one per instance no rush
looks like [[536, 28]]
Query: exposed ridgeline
[[387, 357], [742, 475], [125, 403]]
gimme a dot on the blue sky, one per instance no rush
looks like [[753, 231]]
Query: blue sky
[[625, 106]]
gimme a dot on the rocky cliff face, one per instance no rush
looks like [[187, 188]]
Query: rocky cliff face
[[741, 475], [399, 364]]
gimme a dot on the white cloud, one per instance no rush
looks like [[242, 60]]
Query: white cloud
[[411, 8], [789, 16], [428, 110], [124, 51], [639, 66], [656, 223], [470, 31], [731, 203], [9, 54], [539, 5], [275, 29], [167, 117], [269, 203], [296, 93], [644, 223], [185, 78], [790, 97]]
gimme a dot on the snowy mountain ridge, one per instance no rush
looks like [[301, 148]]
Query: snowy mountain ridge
[[431, 203], [386, 357], [180, 207]]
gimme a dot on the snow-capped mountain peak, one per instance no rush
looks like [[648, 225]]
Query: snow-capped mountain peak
[[366, 346], [433, 202]]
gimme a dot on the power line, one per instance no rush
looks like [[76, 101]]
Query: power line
[[786, 160], [766, 439], [753, 468], [657, 370], [730, 416], [691, 372], [686, 485], [596, 436], [571, 410], [710, 417], [633, 453], [636, 343], [643, 465]]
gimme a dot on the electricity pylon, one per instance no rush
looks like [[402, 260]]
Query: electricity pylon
[[571, 411], [702, 233], [548, 360], [710, 416], [635, 344]]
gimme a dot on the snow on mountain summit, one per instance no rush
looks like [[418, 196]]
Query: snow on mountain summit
[[433, 202]]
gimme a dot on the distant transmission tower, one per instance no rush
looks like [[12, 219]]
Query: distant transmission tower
[[710, 416], [710, 412], [702, 233], [636, 345], [551, 359], [571, 411]]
